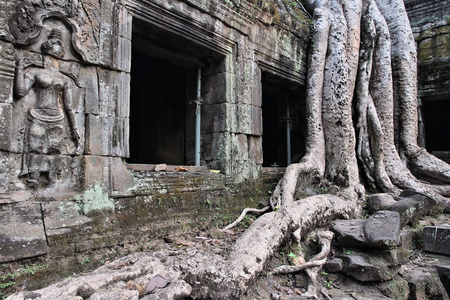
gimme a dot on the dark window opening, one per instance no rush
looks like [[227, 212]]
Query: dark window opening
[[163, 86], [437, 124], [158, 97], [277, 97]]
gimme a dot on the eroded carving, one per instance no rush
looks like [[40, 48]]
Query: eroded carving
[[44, 134], [27, 23]]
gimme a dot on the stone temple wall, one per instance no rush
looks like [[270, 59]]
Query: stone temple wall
[[65, 93], [430, 21]]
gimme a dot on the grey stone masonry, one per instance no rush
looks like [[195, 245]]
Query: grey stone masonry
[[437, 239], [68, 119]]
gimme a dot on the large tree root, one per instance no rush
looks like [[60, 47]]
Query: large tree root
[[325, 238], [258, 243], [313, 266]]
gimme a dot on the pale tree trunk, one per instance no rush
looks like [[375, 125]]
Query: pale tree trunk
[[362, 68]]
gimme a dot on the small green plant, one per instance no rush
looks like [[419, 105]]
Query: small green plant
[[7, 284], [275, 165], [10, 279], [324, 190], [292, 257], [349, 252], [85, 261], [104, 260], [365, 214], [328, 283]]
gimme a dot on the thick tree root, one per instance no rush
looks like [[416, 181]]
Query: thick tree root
[[258, 243], [313, 266], [325, 238]]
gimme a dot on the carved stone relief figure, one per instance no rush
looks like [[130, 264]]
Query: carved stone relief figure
[[53, 103]]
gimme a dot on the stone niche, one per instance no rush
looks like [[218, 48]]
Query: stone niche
[[94, 93]]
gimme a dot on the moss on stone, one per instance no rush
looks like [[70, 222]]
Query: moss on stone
[[396, 288], [96, 199]]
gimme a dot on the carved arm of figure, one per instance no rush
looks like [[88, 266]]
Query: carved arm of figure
[[67, 99], [22, 83]]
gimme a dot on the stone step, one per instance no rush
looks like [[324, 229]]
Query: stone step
[[437, 239], [381, 230]]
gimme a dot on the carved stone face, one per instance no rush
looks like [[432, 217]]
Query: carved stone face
[[53, 46]]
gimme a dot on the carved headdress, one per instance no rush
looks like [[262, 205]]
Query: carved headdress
[[53, 46]]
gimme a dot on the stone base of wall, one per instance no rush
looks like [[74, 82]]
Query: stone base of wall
[[67, 237]]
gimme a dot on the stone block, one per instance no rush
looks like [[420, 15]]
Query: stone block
[[397, 288], [256, 117], [4, 176], [424, 283], [96, 171], [381, 201], [444, 275], [213, 146], [436, 239], [123, 21], [214, 118], [122, 54], [119, 136], [333, 265], [240, 147], [382, 229], [407, 239], [21, 232], [7, 70], [90, 82], [244, 118], [5, 126], [350, 233], [410, 211], [425, 54], [255, 149], [249, 119], [98, 135], [429, 205], [257, 90], [360, 268], [216, 88], [61, 217], [123, 95], [427, 43], [108, 81], [392, 257], [121, 180]]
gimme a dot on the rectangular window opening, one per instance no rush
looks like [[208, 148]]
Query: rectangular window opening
[[164, 85], [283, 109]]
